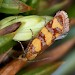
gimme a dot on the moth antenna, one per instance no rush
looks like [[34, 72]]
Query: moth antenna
[[22, 46], [43, 59], [25, 50]]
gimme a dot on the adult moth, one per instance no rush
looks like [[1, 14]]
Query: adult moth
[[59, 25]]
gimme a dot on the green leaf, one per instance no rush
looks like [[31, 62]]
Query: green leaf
[[35, 23], [33, 3], [1, 1], [14, 7], [6, 42], [71, 11], [4, 22]]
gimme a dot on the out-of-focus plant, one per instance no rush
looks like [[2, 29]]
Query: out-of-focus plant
[[13, 7], [42, 70], [50, 10], [69, 65], [6, 42]]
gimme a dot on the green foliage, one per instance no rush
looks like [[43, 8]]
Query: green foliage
[[71, 11], [8, 21], [53, 9], [33, 3], [13, 7], [6, 42]]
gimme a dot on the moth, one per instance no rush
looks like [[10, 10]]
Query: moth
[[55, 28]]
